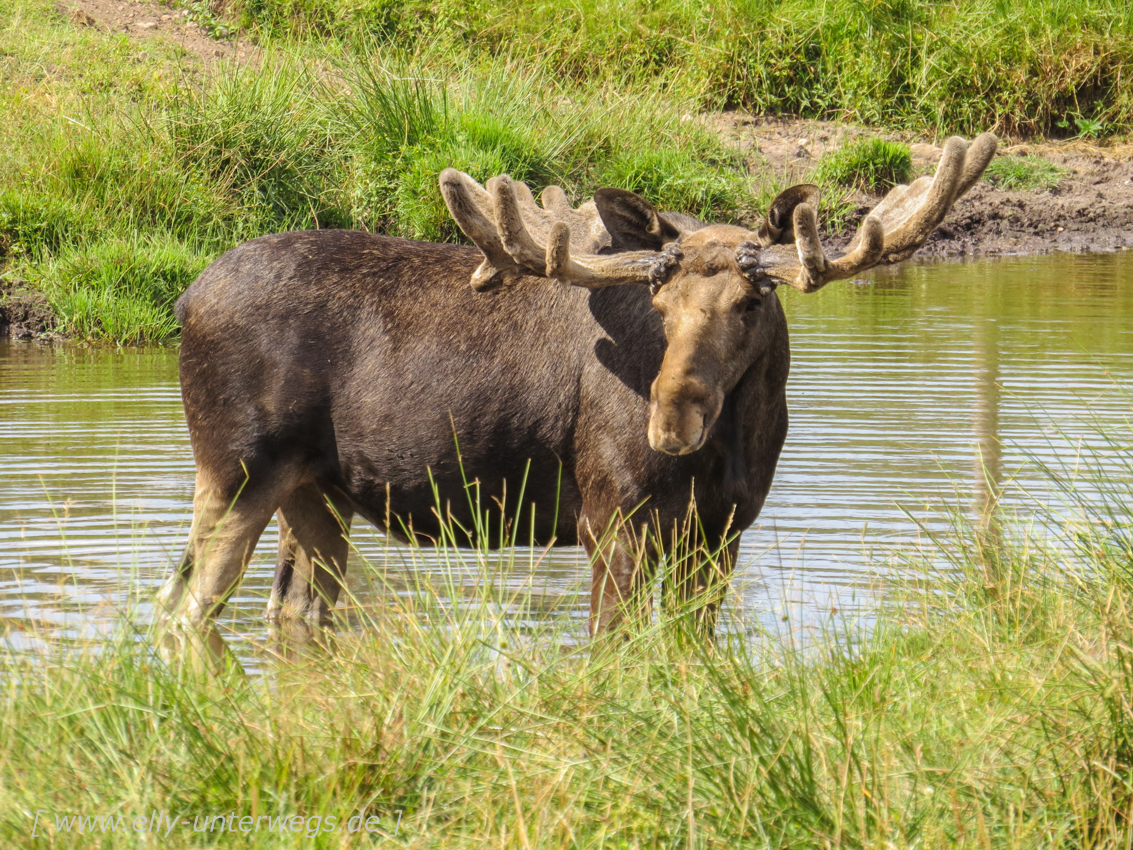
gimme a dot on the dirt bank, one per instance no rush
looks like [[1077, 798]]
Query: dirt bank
[[145, 21], [1089, 209], [24, 313]]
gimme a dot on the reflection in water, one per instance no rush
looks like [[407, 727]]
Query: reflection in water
[[989, 455], [901, 388]]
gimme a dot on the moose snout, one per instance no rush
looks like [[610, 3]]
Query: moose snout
[[679, 420]]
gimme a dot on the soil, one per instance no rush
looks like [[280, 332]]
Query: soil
[[1090, 209], [24, 313], [145, 21]]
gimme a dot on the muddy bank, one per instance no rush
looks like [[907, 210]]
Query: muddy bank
[[1089, 209], [24, 313]]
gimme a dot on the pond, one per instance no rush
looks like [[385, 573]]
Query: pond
[[922, 388]]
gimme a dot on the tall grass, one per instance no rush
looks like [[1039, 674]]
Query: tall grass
[[1046, 66], [989, 704]]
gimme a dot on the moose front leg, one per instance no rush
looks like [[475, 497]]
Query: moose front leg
[[700, 577], [622, 562]]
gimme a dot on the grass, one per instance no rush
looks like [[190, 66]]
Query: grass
[[874, 165], [1025, 173], [1050, 67], [989, 704]]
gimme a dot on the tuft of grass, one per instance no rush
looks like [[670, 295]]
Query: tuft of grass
[[262, 136], [873, 165], [118, 290], [1026, 173], [34, 224]]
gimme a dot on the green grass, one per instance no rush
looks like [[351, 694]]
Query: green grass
[[1040, 67], [119, 290], [875, 165], [989, 704], [1026, 173]]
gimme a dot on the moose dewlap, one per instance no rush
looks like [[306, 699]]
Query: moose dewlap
[[608, 368]]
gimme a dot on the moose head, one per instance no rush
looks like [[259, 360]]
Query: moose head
[[713, 285]]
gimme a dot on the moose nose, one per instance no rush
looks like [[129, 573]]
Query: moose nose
[[672, 443], [679, 421]]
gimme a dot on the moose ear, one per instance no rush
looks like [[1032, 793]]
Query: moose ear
[[777, 228], [632, 222]]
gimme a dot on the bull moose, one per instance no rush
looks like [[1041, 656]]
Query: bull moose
[[600, 369]]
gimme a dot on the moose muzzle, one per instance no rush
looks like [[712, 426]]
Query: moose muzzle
[[681, 413]]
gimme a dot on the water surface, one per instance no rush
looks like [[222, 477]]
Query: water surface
[[923, 386]]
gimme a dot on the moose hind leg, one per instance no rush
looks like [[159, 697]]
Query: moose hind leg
[[224, 534], [313, 547]]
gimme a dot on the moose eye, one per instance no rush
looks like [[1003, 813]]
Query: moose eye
[[752, 304]]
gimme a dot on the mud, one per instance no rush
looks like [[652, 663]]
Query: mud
[[1090, 209], [25, 314]]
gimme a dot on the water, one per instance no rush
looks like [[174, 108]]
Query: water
[[924, 386]]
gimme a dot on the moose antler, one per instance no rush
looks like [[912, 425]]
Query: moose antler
[[891, 232], [517, 236]]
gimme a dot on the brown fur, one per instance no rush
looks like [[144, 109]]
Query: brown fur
[[344, 366]]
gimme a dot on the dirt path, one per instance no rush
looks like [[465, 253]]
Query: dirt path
[[145, 21], [1091, 208]]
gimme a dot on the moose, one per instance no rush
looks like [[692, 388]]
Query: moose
[[602, 369]]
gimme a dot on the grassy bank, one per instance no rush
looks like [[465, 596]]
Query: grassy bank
[[1040, 67], [123, 177], [125, 168], [989, 705]]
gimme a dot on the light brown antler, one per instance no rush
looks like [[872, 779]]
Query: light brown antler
[[517, 236], [893, 231]]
